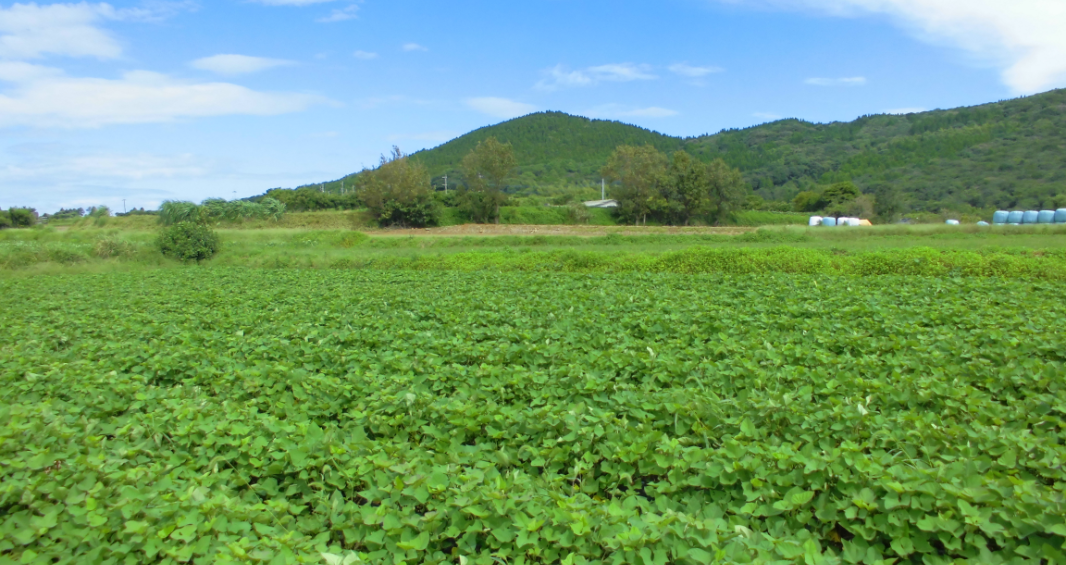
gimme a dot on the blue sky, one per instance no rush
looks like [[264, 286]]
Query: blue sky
[[153, 100]]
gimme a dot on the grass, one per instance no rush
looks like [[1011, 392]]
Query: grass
[[50, 250]]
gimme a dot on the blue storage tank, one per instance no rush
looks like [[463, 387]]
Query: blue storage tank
[[1015, 217], [1060, 216], [1046, 217], [1030, 217], [1000, 217], [829, 222]]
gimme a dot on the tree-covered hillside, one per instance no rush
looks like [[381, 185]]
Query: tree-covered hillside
[[1009, 154], [553, 149]]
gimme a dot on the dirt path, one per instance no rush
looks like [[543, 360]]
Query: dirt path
[[586, 231]]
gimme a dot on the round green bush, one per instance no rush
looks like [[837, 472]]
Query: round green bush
[[188, 241]]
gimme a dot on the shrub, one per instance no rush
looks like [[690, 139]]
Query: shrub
[[188, 241], [578, 213], [5, 220], [22, 217], [109, 248]]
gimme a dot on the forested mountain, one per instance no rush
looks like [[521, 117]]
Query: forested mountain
[[1009, 154]]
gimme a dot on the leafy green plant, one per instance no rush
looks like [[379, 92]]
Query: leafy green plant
[[188, 241], [368, 417]]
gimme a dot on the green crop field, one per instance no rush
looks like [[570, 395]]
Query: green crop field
[[217, 415]]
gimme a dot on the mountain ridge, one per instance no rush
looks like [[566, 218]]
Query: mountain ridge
[[1006, 154]]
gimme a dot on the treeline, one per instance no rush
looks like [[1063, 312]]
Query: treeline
[[647, 183], [173, 212]]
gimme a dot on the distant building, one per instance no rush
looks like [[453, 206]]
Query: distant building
[[602, 203]]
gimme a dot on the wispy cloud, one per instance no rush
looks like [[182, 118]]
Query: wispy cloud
[[847, 81], [500, 107], [687, 70], [1023, 38], [349, 12], [618, 111], [46, 97], [365, 55], [562, 77], [767, 116], [409, 47], [228, 64]]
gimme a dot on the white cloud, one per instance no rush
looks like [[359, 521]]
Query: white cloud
[[617, 111], [687, 70], [1024, 38], [349, 12], [847, 81], [902, 111], [767, 116], [365, 55], [413, 47], [500, 107], [228, 64], [46, 97], [561, 77], [29, 31]]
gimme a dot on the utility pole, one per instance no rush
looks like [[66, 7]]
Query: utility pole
[[603, 189], [123, 206], [342, 187], [445, 184]]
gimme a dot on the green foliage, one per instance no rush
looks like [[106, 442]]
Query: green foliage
[[920, 261], [21, 217], [487, 168], [888, 202], [315, 198], [675, 190], [215, 210], [398, 193], [173, 212], [550, 148], [188, 241], [5, 219], [110, 248], [727, 190], [760, 218], [639, 173], [531, 418], [578, 213]]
